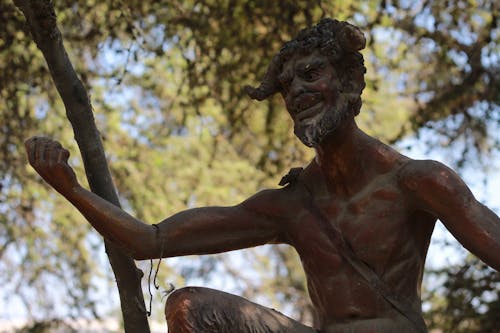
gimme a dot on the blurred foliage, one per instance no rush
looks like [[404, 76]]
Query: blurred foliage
[[165, 79], [467, 301]]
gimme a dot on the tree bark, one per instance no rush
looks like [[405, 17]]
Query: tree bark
[[41, 19]]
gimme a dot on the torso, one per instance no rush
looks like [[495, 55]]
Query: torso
[[383, 231]]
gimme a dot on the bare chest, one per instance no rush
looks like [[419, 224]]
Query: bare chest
[[374, 223]]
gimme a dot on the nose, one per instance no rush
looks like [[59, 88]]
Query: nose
[[296, 88]]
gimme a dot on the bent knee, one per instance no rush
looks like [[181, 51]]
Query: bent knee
[[193, 309], [183, 301], [198, 309], [178, 308], [179, 299]]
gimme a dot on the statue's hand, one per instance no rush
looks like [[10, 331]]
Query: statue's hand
[[50, 160]]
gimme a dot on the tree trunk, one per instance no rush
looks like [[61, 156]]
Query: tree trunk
[[41, 20]]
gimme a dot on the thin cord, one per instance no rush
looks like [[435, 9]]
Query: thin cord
[[149, 289], [157, 286], [159, 261]]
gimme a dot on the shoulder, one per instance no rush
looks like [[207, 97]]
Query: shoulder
[[429, 177], [415, 173], [275, 203]]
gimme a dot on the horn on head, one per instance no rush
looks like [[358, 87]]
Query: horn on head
[[352, 38], [269, 84]]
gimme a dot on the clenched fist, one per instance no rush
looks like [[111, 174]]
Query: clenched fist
[[50, 160]]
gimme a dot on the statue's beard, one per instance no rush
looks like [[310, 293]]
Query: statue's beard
[[313, 134]]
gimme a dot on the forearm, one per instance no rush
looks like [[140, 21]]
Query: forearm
[[195, 231], [113, 223]]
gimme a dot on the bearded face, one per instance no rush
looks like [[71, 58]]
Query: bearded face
[[311, 90]]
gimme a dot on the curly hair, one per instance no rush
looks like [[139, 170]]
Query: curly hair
[[339, 41]]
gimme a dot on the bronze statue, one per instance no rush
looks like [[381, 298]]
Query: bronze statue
[[360, 215]]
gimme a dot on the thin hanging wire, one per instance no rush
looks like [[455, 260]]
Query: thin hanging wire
[[155, 283]]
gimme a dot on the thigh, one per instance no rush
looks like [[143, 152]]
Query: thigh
[[208, 310]]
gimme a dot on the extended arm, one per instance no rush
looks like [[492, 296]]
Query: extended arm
[[195, 231], [437, 189]]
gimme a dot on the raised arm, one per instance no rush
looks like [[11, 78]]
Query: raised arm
[[435, 188], [196, 231]]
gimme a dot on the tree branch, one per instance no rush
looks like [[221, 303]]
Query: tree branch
[[41, 19]]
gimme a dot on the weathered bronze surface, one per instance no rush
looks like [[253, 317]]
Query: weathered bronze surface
[[360, 215]]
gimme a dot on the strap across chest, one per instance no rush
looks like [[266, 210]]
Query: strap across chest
[[402, 305]]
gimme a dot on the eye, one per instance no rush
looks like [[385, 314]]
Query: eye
[[311, 73]]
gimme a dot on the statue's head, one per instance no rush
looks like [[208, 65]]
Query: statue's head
[[320, 75]]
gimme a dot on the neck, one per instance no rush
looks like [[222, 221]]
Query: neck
[[339, 157]]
